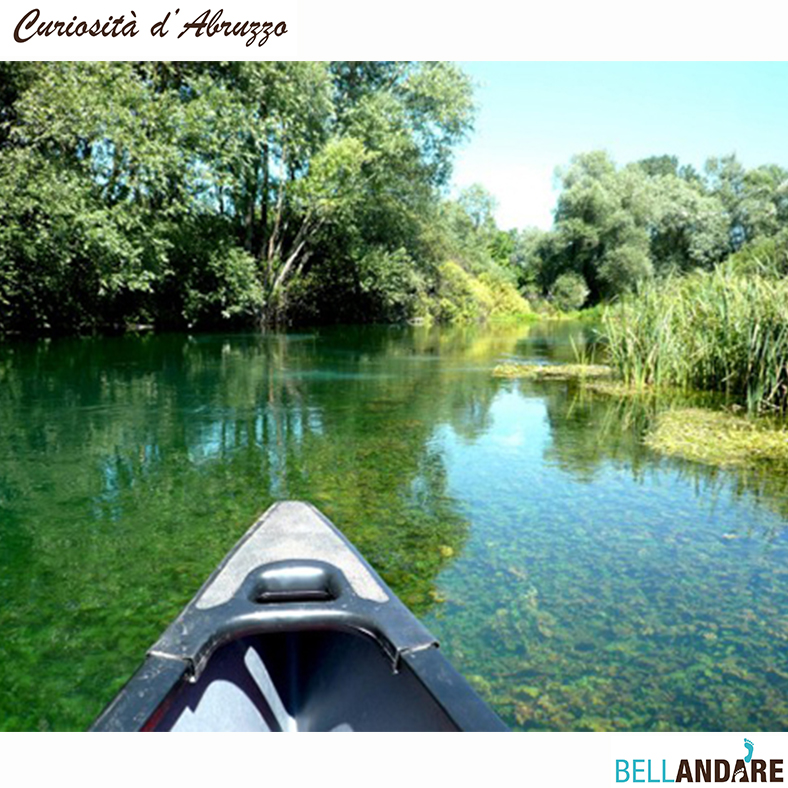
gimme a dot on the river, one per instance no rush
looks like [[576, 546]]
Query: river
[[579, 581]]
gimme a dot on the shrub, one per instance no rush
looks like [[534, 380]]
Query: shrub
[[461, 297], [507, 301], [464, 298], [569, 291]]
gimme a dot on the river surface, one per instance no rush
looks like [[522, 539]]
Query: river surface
[[578, 580]]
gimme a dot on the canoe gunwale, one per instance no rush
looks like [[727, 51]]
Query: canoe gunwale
[[199, 630], [292, 594], [195, 637]]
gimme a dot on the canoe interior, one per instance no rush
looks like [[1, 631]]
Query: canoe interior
[[294, 631], [319, 680]]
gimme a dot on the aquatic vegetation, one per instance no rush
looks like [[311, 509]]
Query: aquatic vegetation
[[590, 432], [657, 397], [162, 452], [718, 437], [619, 389], [552, 371], [717, 331], [581, 580], [633, 597]]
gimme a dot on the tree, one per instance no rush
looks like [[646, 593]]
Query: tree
[[616, 227], [655, 166], [725, 180], [689, 228], [480, 206], [601, 221], [207, 191], [569, 291]]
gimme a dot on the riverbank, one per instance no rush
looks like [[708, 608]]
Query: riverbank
[[711, 331]]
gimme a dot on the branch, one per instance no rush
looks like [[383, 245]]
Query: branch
[[280, 198], [301, 239]]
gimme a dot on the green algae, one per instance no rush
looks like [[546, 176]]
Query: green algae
[[552, 371], [718, 437], [581, 580]]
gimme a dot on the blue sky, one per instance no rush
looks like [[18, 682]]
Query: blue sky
[[535, 116]]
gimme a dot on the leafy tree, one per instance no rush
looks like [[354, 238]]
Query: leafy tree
[[479, 205], [203, 192], [690, 229], [502, 246], [533, 251], [655, 166], [616, 227], [601, 221], [569, 291]]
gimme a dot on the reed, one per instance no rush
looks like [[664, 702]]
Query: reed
[[713, 331]]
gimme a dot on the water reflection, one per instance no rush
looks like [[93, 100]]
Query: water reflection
[[128, 466], [580, 580], [616, 590]]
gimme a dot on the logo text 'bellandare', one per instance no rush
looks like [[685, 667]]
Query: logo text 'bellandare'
[[702, 770]]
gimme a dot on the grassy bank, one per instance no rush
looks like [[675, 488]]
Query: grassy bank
[[715, 331]]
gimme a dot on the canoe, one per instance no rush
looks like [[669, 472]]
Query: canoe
[[294, 631]]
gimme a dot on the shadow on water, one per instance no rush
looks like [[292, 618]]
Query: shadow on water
[[578, 579]]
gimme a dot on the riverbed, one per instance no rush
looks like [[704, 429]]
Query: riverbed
[[576, 578]]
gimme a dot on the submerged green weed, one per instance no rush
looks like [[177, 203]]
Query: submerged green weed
[[717, 437], [552, 371]]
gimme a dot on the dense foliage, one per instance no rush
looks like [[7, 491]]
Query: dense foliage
[[200, 193], [618, 227], [720, 331], [195, 193], [695, 264]]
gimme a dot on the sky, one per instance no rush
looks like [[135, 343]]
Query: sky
[[533, 116]]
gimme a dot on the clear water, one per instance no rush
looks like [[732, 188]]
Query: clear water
[[577, 579]]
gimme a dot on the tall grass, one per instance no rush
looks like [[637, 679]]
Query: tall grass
[[716, 331]]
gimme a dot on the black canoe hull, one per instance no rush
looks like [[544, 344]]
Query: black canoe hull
[[296, 632]]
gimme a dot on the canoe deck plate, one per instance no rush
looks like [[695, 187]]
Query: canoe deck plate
[[297, 531]]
